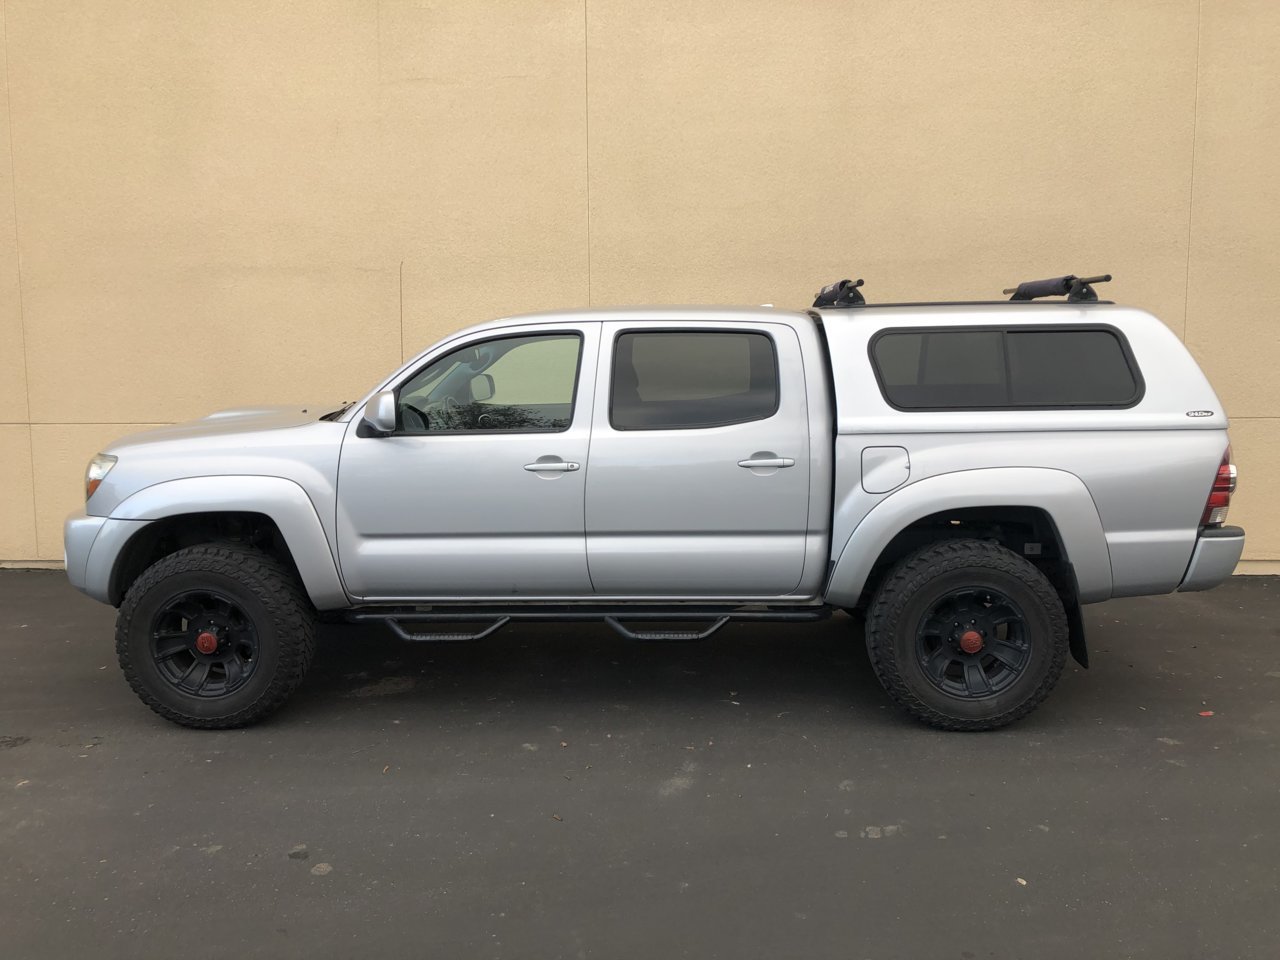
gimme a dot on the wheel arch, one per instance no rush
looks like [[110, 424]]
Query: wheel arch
[[271, 513], [1053, 506]]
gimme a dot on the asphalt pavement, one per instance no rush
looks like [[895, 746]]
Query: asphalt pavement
[[559, 792]]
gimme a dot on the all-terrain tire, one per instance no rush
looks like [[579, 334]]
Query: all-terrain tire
[[897, 625], [269, 600]]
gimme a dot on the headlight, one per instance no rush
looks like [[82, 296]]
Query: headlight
[[96, 472]]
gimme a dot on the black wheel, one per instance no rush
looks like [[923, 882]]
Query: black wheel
[[215, 636], [967, 635]]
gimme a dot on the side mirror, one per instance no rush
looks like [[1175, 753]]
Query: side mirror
[[482, 388], [380, 412]]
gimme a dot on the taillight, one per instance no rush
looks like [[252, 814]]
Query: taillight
[[1224, 485]]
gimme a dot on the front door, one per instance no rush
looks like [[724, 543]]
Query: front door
[[479, 492], [698, 479]]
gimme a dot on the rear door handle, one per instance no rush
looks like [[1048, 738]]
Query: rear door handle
[[553, 466], [767, 462]]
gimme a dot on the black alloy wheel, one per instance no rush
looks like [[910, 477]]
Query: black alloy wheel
[[204, 644], [973, 643]]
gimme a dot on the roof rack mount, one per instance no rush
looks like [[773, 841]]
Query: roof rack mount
[[1075, 289], [843, 293]]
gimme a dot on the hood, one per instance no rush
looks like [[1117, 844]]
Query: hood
[[229, 422]]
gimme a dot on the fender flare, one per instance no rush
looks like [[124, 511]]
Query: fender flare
[[1062, 495], [284, 501]]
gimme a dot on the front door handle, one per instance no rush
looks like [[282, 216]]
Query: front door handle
[[767, 462], [553, 466]]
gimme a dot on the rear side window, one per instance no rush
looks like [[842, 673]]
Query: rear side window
[[997, 368], [682, 380], [1069, 368]]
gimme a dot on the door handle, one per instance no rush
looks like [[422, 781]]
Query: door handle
[[553, 466], [767, 462]]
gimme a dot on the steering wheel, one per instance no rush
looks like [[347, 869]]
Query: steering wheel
[[443, 412], [446, 412], [410, 414]]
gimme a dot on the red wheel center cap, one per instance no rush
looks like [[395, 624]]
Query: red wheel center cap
[[971, 641], [207, 642]]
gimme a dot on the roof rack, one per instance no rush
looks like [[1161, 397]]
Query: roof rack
[[835, 296], [1076, 289], [845, 293]]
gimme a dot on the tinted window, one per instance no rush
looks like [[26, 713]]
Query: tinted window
[[680, 380], [975, 369], [942, 369], [1068, 368], [516, 383]]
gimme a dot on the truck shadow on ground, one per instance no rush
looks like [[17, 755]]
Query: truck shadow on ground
[[816, 671], [817, 666]]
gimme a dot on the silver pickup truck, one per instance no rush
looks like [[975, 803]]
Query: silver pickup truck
[[962, 477]]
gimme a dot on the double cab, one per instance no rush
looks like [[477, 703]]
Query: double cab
[[959, 478]]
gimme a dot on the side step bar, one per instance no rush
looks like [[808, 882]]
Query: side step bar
[[491, 620], [666, 634], [405, 635]]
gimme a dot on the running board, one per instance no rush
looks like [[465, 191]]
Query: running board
[[405, 635], [666, 634], [490, 620]]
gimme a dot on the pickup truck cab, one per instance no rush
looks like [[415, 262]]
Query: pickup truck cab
[[961, 476]]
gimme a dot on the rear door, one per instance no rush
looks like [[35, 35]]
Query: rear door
[[698, 474]]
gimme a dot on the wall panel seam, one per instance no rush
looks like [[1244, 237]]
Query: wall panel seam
[[1191, 187], [17, 256], [90, 423], [586, 133]]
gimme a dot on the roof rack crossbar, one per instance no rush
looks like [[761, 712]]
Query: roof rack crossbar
[[1075, 289]]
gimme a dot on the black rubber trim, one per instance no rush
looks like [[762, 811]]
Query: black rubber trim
[[1221, 533], [1076, 641]]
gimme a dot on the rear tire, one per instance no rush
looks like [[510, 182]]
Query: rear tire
[[215, 636], [967, 635]]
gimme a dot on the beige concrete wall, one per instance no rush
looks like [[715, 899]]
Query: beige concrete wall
[[207, 205]]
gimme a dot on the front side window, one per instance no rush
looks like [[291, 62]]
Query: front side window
[[521, 384], [682, 380]]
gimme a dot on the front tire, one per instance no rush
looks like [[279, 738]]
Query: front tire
[[215, 636], [967, 635]]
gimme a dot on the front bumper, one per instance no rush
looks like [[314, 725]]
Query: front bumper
[[78, 535], [1216, 554], [91, 547]]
